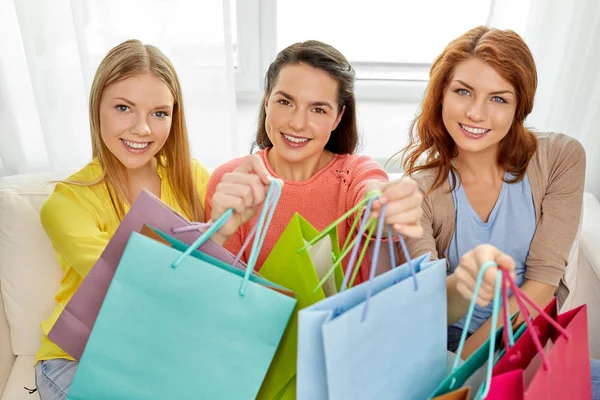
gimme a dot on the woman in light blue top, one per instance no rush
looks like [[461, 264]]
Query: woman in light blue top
[[489, 181], [493, 189]]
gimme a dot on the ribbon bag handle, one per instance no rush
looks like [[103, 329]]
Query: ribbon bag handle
[[522, 298], [262, 225], [201, 226], [346, 248], [333, 225], [495, 312]]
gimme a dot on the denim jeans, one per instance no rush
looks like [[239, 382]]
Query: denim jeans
[[53, 378], [595, 366], [454, 333]]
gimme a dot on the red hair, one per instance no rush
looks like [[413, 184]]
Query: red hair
[[507, 53]]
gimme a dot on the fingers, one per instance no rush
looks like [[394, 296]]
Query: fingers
[[255, 165], [403, 201], [245, 185], [469, 268], [413, 231], [411, 216], [399, 189], [505, 261], [223, 201]]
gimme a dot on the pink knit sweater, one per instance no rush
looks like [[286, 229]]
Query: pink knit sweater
[[320, 200]]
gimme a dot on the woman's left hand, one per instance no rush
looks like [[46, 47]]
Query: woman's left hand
[[403, 200]]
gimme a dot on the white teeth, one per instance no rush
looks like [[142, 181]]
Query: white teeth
[[134, 145], [294, 139], [475, 131]]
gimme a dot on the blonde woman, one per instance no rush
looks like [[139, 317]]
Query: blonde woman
[[139, 141]]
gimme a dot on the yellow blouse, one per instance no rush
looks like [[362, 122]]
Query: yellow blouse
[[80, 220]]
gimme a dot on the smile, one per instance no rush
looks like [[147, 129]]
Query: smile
[[295, 139], [474, 131], [136, 145]]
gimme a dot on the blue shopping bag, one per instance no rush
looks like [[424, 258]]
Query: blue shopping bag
[[179, 325], [383, 339]]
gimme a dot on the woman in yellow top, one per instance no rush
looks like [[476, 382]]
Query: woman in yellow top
[[139, 141]]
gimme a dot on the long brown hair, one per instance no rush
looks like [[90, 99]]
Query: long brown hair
[[127, 59], [508, 54], [344, 139]]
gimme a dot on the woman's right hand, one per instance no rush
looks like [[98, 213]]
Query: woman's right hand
[[468, 269], [244, 190]]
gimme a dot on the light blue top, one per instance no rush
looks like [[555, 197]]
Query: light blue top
[[510, 228]]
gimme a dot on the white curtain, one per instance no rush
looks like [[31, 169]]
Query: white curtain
[[564, 37], [49, 53]]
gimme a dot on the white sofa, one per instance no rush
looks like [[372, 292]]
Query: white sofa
[[30, 276]]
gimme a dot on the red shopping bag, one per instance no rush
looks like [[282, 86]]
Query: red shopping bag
[[549, 361]]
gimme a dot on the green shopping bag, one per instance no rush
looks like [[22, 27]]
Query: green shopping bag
[[179, 324], [299, 261], [296, 271]]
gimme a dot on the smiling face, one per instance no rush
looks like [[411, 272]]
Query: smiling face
[[135, 118], [301, 112], [478, 107]]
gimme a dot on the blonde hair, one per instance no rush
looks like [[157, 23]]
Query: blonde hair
[[127, 59]]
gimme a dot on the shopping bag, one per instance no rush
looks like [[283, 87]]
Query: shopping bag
[[472, 372], [175, 325], [73, 326], [302, 260], [383, 339], [562, 371], [459, 394], [300, 272]]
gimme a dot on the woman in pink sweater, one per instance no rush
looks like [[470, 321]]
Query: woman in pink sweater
[[307, 136]]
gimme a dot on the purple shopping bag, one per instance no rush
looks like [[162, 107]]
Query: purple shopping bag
[[74, 325]]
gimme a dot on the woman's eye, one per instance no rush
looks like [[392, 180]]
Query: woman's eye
[[122, 108]]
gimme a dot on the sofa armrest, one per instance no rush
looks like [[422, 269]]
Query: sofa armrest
[[7, 358], [588, 270], [589, 240]]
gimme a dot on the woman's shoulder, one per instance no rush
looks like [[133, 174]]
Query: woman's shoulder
[[557, 151], [555, 144], [425, 180], [76, 191], [89, 173]]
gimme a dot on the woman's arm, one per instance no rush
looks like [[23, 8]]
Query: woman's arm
[[74, 229]]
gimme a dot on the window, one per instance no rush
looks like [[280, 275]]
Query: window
[[390, 43]]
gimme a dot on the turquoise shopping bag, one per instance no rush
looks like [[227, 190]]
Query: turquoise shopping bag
[[178, 325], [382, 339]]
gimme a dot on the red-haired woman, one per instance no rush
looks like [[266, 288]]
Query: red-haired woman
[[487, 179]]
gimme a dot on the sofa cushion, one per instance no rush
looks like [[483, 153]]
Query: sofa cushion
[[29, 271], [22, 376]]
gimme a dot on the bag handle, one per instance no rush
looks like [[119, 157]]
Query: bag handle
[[522, 298], [375, 258], [345, 249], [201, 226], [264, 220], [212, 229], [341, 219], [495, 311]]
